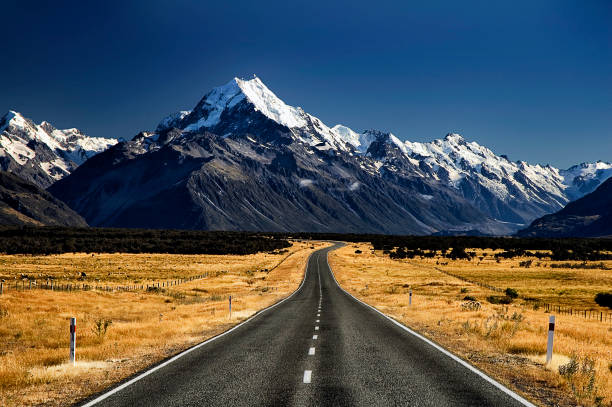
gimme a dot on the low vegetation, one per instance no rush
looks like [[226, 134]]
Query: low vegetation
[[121, 332], [489, 310]]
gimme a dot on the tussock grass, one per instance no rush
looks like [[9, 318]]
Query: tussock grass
[[119, 333], [506, 341]]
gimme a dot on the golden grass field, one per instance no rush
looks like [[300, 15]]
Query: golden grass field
[[506, 341], [145, 327]]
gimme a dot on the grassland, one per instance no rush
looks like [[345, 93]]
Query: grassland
[[142, 327], [506, 341]]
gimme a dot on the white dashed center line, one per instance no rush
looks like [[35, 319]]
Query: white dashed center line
[[307, 376], [318, 320], [315, 336], [316, 328], [311, 351]]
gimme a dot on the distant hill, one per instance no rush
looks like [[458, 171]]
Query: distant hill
[[23, 203], [589, 216]]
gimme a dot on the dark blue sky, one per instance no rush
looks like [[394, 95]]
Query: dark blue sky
[[531, 79]]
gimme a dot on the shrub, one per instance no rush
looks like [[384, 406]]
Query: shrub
[[499, 299], [100, 327], [464, 290], [358, 251], [604, 299], [469, 298], [511, 292]]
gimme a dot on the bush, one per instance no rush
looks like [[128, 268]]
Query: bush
[[604, 299], [499, 299], [358, 251], [511, 292], [469, 298]]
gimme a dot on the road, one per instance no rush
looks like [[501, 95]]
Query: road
[[320, 347]]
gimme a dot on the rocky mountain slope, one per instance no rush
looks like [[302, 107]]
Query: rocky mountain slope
[[42, 154], [589, 216], [23, 203], [243, 159]]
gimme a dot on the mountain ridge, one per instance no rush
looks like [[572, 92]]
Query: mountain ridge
[[42, 154]]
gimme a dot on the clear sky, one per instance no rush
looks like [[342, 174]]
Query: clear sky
[[530, 79]]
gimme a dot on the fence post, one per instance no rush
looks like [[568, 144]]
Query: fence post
[[73, 341], [551, 337]]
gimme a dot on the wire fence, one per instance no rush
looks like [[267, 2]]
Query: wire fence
[[49, 284]]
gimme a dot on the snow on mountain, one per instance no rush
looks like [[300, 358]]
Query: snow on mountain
[[41, 153]]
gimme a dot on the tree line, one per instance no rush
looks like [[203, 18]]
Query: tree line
[[56, 240]]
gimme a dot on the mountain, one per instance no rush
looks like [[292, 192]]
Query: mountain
[[589, 216], [243, 159], [42, 154], [23, 203]]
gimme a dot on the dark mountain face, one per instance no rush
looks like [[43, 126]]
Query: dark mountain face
[[589, 216], [23, 203]]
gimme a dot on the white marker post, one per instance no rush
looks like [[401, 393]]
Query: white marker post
[[73, 341], [410, 298], [551, 336], [230, 306]]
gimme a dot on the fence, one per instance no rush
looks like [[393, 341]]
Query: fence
[[550, 308], [24, 285], [584, 313]]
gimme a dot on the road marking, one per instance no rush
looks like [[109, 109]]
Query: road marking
[[439, 348], [318, 320], [318, 315], [316, 328], [187, 351], [311, 351], [315, 336], [307, 376]]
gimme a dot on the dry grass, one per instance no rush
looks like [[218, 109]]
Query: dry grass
[[507, 341], [145, 328]]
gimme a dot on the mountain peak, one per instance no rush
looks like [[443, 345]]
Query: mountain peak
[[207, 113], [454, 138], [12, 117]]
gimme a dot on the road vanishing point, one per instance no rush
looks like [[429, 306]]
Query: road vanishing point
[[318, 347]]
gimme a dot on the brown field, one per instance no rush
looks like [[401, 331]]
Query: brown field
[[506, 341], [145, 327]]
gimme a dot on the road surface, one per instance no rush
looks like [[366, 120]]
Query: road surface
[[320, 347]]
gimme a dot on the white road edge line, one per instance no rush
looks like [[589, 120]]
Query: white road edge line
[[187, 351], [307, 376], [311, 351], [439, 348]]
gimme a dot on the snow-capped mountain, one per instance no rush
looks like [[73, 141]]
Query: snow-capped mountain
[[42, 154], [243, 159]]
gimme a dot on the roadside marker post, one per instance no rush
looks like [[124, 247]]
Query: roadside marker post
[[73, 341], [551, 335], [410, 298], [1, 287], [230, 307]]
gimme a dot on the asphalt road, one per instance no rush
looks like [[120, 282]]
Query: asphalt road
[[320, 347]]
